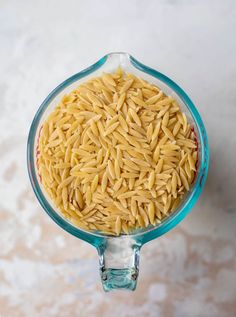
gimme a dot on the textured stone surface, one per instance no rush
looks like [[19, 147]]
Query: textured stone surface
[[191, 271]]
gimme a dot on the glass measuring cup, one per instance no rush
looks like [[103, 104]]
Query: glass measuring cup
[[119, 256]]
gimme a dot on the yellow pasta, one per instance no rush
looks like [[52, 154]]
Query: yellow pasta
[[116, 154]]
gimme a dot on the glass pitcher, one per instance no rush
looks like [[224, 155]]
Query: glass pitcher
[[119, 256]]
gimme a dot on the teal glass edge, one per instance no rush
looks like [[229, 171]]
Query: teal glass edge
[[90, 238], [181, 213], [96, 239]]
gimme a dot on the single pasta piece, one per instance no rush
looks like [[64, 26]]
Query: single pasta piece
[[116, 154]]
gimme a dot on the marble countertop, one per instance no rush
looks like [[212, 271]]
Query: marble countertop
[[190, 271]]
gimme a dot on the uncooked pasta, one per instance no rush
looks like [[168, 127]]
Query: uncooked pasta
[[116, 154]]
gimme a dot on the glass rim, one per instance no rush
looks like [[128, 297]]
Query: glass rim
[[169, 222]]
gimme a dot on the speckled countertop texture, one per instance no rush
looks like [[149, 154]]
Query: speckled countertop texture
[[189, 272]]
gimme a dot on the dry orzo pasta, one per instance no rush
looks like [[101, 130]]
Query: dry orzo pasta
[[116, 154]]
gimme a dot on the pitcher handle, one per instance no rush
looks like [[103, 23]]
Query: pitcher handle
[[119, 263]]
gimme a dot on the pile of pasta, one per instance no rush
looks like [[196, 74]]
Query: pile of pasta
[[116, 154]]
